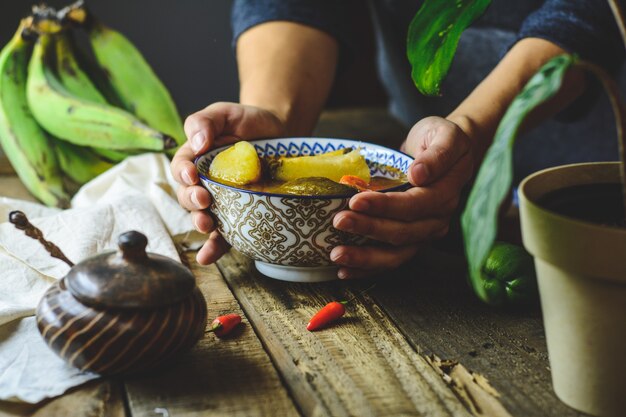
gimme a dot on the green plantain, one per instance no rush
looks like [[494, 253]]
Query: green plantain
[[70, 73], [76, 81], [114, 156], [137, 86], [80, 163], [27, 146], [81, 121]]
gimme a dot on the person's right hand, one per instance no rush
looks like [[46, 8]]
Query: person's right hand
[[216, 125]]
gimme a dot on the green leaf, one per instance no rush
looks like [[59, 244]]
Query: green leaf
[[493, 182], [433, 36]]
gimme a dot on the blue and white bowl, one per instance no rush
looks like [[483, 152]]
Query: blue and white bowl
[[290, 237]]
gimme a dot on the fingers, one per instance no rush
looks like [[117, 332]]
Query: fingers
[[193, 197], [199, 127], [391, 231], [442, 165], [363, 261], [212, 250], [224, 123], [182, 167], [436, 144], [202, 221], [356, 273], [410, 205], [202, 127], [216, 125]]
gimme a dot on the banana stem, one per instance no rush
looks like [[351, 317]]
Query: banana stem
[[75, 12]]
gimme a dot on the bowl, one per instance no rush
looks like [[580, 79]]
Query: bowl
[[290, 237]]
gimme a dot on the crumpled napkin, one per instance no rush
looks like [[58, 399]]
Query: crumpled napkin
[[137, 194]]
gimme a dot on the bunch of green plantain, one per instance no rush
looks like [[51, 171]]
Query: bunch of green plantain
[[66, 117]]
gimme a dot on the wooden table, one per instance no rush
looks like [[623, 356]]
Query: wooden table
[[417, 344]]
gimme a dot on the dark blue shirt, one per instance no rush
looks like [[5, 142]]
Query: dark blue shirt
[[583, 27]]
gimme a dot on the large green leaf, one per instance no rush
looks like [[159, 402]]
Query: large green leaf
[[433, 36], [493, 182]]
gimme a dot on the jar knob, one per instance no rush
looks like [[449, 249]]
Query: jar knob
[[133, 244]]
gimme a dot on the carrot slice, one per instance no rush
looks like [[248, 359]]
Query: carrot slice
[[354, 181]]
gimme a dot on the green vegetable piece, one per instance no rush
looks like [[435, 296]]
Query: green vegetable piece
[[493, 182], [508, 276], [315, 186], [433, 36]]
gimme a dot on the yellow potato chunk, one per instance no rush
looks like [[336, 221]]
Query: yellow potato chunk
[[331, 166], [239, 165], [341, 151]]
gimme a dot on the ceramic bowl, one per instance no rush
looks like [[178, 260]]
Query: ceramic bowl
[[290, 237]]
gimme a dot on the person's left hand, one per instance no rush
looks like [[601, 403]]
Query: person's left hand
[[405, 220]]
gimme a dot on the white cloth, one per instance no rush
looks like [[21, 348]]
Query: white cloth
[[137, 194]]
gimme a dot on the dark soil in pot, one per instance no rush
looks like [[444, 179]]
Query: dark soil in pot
[[596, 203]]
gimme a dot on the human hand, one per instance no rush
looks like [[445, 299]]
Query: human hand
[[405, 220], [216, 125]]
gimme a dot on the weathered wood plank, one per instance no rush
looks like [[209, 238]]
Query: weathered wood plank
[[220, 377], [94, 399], [434, 307], [361, 367]]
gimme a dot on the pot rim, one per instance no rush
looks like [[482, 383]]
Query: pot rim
[[555, 238]]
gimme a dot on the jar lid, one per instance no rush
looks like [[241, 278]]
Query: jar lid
[[130, 278]]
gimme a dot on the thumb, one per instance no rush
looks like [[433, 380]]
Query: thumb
[[223, 123], [441, 145]]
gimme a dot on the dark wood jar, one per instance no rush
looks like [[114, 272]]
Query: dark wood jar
[[123, 311]]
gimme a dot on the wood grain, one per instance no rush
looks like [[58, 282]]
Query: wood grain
[[432, 303], [362, 366], [220, 377]]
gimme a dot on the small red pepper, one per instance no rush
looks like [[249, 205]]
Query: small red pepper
[[329, 313], [223, 325]]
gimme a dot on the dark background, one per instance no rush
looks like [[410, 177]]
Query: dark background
[[189, 45], [187, 42]]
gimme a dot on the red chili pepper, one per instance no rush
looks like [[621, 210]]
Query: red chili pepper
[[329, 313], [223, 325]]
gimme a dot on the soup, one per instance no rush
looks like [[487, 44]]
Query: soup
[[340, 172]]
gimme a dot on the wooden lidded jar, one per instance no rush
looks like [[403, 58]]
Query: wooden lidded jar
[[123, 311]]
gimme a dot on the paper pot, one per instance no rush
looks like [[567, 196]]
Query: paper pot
[[581, 272]]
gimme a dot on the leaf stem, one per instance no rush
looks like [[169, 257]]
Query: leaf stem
[[618, 14], [610, 86]]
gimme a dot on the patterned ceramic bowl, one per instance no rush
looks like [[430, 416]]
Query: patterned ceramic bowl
[[290, 237]]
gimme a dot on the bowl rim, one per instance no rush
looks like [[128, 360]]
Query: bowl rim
[[399, 187]]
